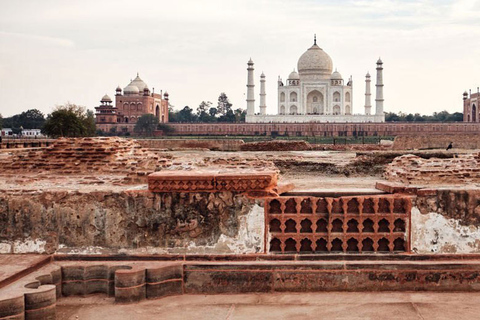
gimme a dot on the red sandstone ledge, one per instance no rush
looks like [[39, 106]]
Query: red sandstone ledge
[[213, 181]]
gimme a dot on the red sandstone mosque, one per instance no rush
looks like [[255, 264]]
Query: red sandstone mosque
[[135, 101]]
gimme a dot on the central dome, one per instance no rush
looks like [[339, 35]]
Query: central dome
[[315, 61]]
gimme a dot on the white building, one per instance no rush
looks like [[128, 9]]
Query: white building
[[315, 93]]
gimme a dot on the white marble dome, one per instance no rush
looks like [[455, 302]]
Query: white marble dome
[[131, 89], [139, 83], [336, 76], [315, 61], [294, 75]]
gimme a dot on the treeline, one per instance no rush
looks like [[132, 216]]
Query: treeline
[[223, 112], [67, 120], [443, 116], [30, 119]]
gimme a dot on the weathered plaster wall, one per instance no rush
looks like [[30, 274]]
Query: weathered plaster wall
[[447, 221], [131, 222]]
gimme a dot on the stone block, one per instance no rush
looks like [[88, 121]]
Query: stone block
[[46, 313], [41, 297], [73, 288], [73, 273], [164, 288], [129, 278], [231, 281], [12, 306], [97, 286], [164, 273], [130, 294]]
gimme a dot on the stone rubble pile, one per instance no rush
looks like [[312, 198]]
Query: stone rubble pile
[[415, 170], [104, 155]]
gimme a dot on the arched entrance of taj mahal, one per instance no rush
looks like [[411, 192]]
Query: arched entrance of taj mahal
[[315, 102]]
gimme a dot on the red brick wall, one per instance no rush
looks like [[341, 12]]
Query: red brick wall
[[324, 129]]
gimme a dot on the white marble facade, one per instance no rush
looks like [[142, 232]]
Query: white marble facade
[[313, 94]]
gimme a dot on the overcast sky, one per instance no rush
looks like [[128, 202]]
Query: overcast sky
[[54, 51]]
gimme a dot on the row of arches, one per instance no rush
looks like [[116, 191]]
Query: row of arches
[[315, 96], [337, 245], [321, 226], [315, 109]]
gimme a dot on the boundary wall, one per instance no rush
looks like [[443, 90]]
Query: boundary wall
[[324, 129]]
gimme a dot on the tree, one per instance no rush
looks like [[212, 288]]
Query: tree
[[146, 124], [1, 121], [186, 115], [70, 120], [213, 112], [240, 115], [203, 115], [223, 104]]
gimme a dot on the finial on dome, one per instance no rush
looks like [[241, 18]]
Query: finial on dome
[[315, 39]]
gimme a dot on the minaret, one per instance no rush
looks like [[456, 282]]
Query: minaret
[[368, 95], [379, 86], [263, 107], [250, 90]]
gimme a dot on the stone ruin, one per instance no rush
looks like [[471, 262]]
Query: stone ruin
[[210, 226], [71, 156], [412, 169]]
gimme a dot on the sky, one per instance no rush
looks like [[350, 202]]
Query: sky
[[56, 51]]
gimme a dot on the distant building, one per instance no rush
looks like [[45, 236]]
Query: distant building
[[315, 93], [136, 100], [7, 132], [32, 133], [470, 106]]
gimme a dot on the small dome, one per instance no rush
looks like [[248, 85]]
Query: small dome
[[118, 89], [131, 89], [146, 88], [379, 61], [293, 75], [106, 98], [315, 61], [336, 76]]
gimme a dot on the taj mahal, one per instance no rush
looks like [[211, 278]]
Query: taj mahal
[[315, 93]]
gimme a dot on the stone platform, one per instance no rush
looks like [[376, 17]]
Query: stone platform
[[151, 277]]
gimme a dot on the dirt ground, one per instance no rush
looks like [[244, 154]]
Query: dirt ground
[[333, 305], [308, 170]]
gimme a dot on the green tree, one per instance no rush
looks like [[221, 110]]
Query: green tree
[[223, 105], [203, 115], [240, 115], [30, 119], [1, 121], [213, 112], [146, 124], [70, 120], [186, 115]]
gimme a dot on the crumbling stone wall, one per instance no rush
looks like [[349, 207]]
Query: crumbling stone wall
[[136, 221], [413, 169]]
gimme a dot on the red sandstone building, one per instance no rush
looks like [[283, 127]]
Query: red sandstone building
[[135, 101], [470, 106]]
